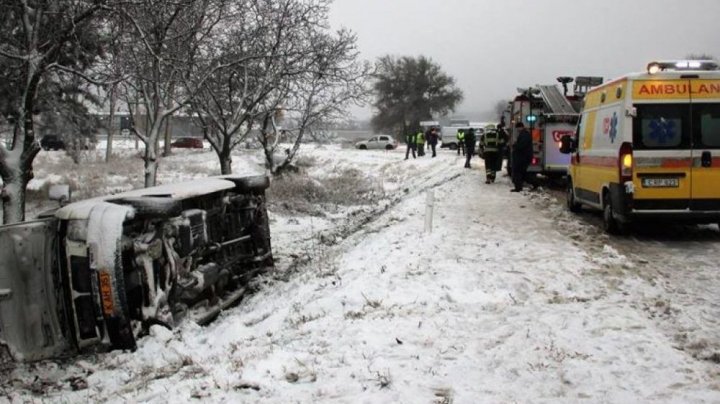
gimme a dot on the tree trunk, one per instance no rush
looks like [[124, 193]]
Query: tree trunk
[[269, 158], [13, 197], [225, 165], [166, 147], [225, 156], [151, 165], [111, 126]]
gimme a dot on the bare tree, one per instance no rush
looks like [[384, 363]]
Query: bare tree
[[40, 44], [259, 49], [324, 84], [279, 45], [160, 50]]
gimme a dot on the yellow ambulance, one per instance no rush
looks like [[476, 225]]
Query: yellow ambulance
[[647, 146]]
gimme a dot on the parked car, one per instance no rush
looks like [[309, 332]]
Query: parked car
[[378, 142], [188, 143], [52, 142], [95, 274]]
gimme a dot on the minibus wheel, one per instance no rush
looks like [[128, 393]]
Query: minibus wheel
[[610, 224], [572, 204]]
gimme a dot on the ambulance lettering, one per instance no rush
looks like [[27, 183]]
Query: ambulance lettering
[[679, 89], [663, 89]]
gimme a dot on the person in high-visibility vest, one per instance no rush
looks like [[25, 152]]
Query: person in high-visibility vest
[[460, 141], [492, 144], [420, 140], [410, 140]]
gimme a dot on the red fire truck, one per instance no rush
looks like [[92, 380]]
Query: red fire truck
[[549, 113]]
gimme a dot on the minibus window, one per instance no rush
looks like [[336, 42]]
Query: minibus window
[[707, 119], [661, 126]]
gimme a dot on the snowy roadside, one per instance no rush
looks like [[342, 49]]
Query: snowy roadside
[[497, 304]]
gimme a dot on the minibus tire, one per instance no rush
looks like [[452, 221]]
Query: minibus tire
[[610, 224], [572, 204]]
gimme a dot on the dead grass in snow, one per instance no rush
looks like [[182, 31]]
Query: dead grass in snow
[[300, 193]]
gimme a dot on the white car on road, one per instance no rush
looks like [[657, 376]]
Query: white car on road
[[382, 142]]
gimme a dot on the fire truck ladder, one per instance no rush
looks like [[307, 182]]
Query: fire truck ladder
[[556, 101]]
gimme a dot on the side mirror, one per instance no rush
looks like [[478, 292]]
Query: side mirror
[[60, 193], [631, 111], [567, 145]]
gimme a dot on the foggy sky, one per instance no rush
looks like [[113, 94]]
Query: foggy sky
[[492, 47]]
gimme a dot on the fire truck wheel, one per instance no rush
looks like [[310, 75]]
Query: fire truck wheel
[[572, 204]]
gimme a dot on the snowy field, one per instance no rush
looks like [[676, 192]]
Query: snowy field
[[510, 298]]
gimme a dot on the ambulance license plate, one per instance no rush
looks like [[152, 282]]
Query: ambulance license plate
[[660, 182]]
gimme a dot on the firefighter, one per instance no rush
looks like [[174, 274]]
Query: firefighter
[[469, 139], [460, 135], [420, 140], [522, 154], [492, 147], [410, 140]]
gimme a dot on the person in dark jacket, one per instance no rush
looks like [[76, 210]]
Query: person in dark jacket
[[411, 145], [469, 146], [522, 154], [431, 136], [504, 146]]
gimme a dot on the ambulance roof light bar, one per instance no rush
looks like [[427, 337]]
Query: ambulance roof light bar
[[678, 65]]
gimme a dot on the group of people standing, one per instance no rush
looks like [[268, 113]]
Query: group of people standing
[[416, 142], [493, 143]]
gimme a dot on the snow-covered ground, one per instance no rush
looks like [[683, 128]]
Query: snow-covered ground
[[510, 298]]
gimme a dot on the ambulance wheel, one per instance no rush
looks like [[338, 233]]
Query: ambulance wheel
[[610, 224], [572, 203]]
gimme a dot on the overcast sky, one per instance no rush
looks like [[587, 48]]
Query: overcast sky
[[492, 47]]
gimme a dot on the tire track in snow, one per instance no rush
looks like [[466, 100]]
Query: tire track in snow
[[678, 262]]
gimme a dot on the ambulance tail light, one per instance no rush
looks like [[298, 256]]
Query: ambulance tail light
[[535, 161], [625, 162]]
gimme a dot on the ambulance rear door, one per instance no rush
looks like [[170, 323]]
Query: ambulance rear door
[[556, 162], [705, 111], [662, 145]]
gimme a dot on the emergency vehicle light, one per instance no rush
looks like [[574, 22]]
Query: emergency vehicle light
[[657, 67], [653, 68]]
